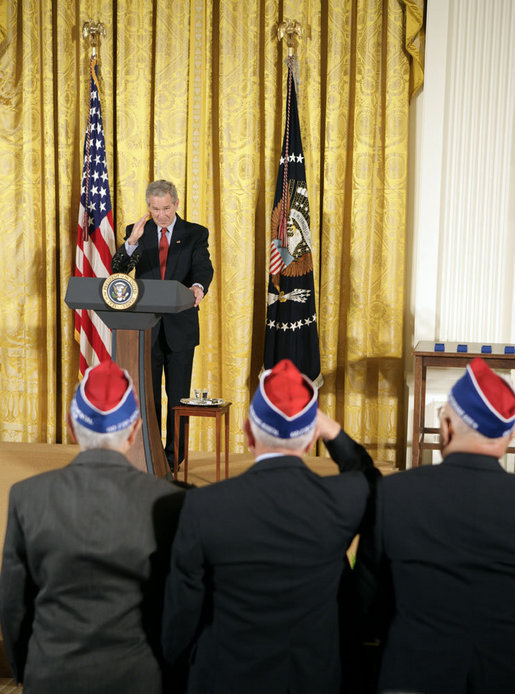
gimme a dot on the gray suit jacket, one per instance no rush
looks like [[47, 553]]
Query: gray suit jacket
[[83, 569]]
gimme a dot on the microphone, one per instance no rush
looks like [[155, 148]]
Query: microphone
[[134, 259], [119, 264]]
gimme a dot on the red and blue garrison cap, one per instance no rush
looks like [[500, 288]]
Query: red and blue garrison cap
[[105, 401], [484, 400], [285, 403]]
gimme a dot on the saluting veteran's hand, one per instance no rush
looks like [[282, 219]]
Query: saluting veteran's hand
[[328, 428], [137, 230], [197, 293]]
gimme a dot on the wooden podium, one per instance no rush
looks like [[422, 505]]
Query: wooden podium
[[131, 347]]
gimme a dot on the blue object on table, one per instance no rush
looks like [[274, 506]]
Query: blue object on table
[[509, 349], [462, 348], [486, 349], [439, 347]]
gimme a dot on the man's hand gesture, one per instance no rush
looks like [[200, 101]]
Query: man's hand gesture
[[197, 293], [137, 230], [327, 428]]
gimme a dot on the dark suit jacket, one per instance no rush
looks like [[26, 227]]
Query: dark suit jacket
[[447, 536], [255, 574], [84, 562], [188, 262]]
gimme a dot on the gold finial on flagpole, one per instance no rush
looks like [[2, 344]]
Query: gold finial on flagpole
[[291, 29], [93, 30]]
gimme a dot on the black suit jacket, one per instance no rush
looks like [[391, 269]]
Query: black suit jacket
[[255, 575], [188, 262], [85, 556], [445, 539]]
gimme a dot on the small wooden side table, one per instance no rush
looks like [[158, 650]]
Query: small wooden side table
[[452, 355], [188, 411]]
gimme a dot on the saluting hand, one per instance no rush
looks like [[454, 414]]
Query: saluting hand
[[137, 230], [327, 428]]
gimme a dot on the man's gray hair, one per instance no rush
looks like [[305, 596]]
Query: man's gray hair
[[274, 442], [88, 439], [161, 188], [461, 427]]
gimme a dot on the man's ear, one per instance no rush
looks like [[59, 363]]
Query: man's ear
[[247, 430], [69, 422], [134, 431], [446, 431], [316, 434]]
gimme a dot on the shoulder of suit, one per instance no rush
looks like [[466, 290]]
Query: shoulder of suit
[[407, 478], [183, 225], [211, 492], [19, 489]]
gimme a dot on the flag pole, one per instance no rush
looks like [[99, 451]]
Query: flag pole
[[291, 322], [291, 29], [93, 30], [95, 229]]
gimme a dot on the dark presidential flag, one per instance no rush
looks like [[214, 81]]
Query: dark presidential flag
[[291, 324], [95, 233]]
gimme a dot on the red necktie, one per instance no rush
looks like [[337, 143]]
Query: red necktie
[[163, 252]]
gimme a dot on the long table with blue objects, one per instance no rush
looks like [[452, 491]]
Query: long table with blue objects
[[453, 355]]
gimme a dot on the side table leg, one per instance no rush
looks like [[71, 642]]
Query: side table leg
[[227, 444], [416, 411], [217, 446], [177, 421], [186, 446]]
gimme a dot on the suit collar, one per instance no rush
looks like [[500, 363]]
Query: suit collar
[[175, 246], [279, 461], [151, 228], [179, 223], [473, 461], [149, 241], [101, 456]]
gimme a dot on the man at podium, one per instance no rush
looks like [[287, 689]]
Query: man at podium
[[163, 246]]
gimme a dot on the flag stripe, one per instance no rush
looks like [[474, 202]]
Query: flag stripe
[[276, 262]]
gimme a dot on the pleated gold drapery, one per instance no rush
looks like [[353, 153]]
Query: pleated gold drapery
[[193, 91]]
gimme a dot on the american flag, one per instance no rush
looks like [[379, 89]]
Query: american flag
[[95, 234], [291, 321]]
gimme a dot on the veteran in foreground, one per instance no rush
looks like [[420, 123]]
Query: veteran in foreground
[[85, 556], [257, 559], [445, 552]]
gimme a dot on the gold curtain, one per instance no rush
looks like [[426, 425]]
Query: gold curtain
[[194, 91]]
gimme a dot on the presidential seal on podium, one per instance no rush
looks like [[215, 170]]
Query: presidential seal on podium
[[120, 291]]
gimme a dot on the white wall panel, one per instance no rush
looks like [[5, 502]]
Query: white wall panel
[[462, 195], [477, 237]]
